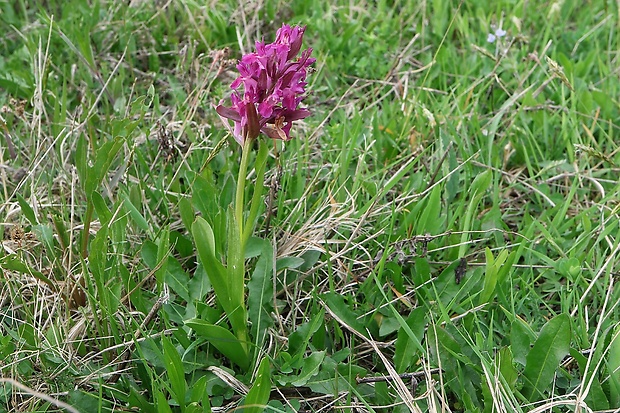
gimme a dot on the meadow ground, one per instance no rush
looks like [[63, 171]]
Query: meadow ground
[[440, 235]]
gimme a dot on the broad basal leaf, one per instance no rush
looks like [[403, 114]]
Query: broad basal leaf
[[221, 339], [542, 361]]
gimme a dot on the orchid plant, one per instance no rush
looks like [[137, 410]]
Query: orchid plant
[[266, 99]]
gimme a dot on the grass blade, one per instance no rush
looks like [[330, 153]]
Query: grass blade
[[613, 365], [176, 375]]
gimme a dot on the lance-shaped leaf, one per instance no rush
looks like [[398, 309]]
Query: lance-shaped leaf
[[542, 361], [223, 340], [258, 396], [205, 245]]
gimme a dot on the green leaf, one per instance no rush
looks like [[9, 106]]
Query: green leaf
[[27, 210], [161, 402], [98, 262], [491, 275], [298, 340], [103, 159], [289, 262], [235, 278], [258, 396], [504, 269], [187, 213], [205, 245], [135, 214], [105, 155], [182, 244], [12, 262], [568, 267], [455, 351], [253, 247], [310, 258], [334, 377], [590, 373], [519, 341], [81, 159], [149, 254], [581, 360], [199, 285], [17, 89], [542, 361], [177, 279], [401, 321], [205, 197], [481, 184], [506, 367], [407, 347], [478, 188], [103, 212], [613, 366], [200, 394], [260, 295], [135, 399], [62, 231], [85, 402], [596, 399], [429, 216], [163, 252], [45, 233], [223, 340], [176, 374], [337, 305], [309, 368], [235, 261]]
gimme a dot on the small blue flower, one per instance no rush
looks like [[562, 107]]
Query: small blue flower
[[499, 33]]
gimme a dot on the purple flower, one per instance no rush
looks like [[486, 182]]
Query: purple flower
[[273, 87]]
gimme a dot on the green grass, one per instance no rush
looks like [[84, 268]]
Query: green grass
[[449, 210]]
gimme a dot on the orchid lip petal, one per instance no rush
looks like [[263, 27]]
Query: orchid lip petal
[[275, 133]]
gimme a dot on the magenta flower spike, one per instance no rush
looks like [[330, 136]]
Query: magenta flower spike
[[273, 87]]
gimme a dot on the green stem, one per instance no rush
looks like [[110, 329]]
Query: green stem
[[255, 203], [85, 232], [241, 330], [243, 170]]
